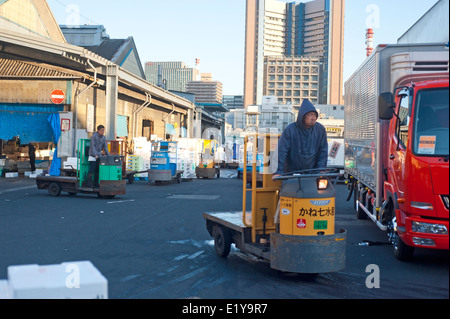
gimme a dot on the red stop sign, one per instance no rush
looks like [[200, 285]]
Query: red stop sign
[[57, 96]]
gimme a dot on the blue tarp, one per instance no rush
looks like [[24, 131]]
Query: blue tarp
[[28, 121], [55, 124]]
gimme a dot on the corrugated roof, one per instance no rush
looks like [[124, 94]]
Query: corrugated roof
[[18, 68]]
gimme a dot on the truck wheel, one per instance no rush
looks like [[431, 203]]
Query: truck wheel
[[222, 241], [54, 189], [402, 251]]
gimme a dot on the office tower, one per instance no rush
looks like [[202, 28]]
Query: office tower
[[291, 32], [232, 102], [206, 91], [174, 75]]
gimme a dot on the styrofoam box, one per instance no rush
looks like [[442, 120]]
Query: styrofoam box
[[4, 291], [11, 175], [71, 280]]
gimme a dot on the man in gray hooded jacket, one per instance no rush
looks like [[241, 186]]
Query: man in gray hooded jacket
[[304, 144], [98, 145]]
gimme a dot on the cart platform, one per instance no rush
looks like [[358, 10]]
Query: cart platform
[[288, 253]]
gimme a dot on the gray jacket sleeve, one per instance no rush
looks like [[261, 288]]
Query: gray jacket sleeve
[[322, 156]]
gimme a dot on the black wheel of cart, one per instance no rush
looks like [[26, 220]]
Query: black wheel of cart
[[54, 189], [222, 241]]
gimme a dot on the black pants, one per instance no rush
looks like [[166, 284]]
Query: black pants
[[33, 161], [93, 171]]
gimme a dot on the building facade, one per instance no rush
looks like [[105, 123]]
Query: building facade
[[206, 91], [311, 29], [232, 102], [291, 79], [172, 75]]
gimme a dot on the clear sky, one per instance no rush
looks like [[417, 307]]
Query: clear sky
[[214, 30]]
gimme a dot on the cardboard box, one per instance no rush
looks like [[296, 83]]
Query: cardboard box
[[72, 280]]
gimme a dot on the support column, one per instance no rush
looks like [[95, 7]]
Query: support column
[[112, 97]]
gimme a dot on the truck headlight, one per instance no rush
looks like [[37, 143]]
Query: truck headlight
[[322, 183], [436, 229]]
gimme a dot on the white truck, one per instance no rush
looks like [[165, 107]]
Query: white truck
[[396, 167]]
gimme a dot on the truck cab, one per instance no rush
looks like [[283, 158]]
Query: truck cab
[[417, 171]]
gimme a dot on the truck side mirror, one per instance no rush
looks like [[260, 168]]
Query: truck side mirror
[[386, 106]]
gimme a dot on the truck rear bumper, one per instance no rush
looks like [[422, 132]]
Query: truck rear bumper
[[430, 240]]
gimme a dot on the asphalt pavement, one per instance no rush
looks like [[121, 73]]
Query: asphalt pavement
[[152, 243]]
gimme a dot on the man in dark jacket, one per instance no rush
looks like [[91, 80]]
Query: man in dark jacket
[[98, 145], [304, 144]]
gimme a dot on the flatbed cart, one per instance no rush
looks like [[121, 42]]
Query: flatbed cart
[[163, 163], [120, 147], [110, 177], [208, 167], [291, 225]]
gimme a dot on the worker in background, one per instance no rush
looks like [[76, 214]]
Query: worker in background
[[303, 144], [31, 153], [98, 145], [32, 156]]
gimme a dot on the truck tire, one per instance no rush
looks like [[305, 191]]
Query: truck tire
[[402, 251], [54, 189], [222, 241]]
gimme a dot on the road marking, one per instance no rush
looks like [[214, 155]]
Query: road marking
[[199, 197], [17, 189], [121, 201]]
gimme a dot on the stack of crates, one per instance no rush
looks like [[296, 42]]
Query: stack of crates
[[138, 163]]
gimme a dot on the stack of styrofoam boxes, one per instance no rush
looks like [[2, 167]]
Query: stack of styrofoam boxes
[[134, 162], [7, 165], [75, 280], [24, 167], [188, 157], [143, 149], [70, 163]]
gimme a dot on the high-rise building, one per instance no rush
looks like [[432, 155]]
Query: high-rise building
[[291, 32], [206, 91], [232, 102], [175, 75], [292, 78]]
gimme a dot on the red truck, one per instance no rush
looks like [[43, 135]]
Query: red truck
[[397, 144]]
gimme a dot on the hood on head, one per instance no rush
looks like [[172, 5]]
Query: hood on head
[[305, 108]]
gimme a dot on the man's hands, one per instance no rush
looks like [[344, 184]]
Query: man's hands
[[274, 176]]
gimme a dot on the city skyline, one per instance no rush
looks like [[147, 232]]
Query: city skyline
[[214, 31]]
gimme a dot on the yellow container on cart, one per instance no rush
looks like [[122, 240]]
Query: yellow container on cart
[[305, 210]]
